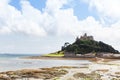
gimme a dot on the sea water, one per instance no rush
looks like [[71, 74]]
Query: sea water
[[13, 62]]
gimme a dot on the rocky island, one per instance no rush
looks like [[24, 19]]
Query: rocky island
[[86, 46]]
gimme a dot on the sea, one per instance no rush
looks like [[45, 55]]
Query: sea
[[12, 62]]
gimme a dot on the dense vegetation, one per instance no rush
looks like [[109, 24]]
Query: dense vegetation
[[87, 46]]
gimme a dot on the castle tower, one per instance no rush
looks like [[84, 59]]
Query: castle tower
[[85, 37]]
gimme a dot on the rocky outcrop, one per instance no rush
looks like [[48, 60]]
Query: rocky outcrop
[[42, 73]]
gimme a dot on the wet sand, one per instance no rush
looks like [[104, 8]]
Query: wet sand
[[72, 58]]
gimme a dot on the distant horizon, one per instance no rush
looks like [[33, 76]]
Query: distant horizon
[[43, 26], [24, 53]]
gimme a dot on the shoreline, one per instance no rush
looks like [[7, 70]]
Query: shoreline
[[94, 59], [100, 69]]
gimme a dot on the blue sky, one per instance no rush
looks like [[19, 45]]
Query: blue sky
[[43, 26], [81, 9], [39, 4]]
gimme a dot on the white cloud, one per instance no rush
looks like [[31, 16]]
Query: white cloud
[[108, 10], [12, 20], [5, 30], [63, 21], [31, 21]]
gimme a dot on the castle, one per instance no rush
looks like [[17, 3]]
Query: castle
[[85, 37]]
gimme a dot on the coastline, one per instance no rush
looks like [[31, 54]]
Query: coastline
[[94, 59], [99, 69]]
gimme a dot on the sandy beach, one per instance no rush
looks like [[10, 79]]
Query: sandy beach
[[99, 69]]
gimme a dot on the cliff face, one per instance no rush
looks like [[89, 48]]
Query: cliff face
[[86, 44]]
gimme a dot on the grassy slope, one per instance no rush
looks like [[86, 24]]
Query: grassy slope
[[56, 54]]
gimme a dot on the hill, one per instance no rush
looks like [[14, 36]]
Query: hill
[[87, 44]]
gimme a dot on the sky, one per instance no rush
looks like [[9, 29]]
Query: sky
[[43, 26]]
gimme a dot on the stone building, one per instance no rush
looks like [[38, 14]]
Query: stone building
[[85, 37], [69, 54], [104, 55]]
